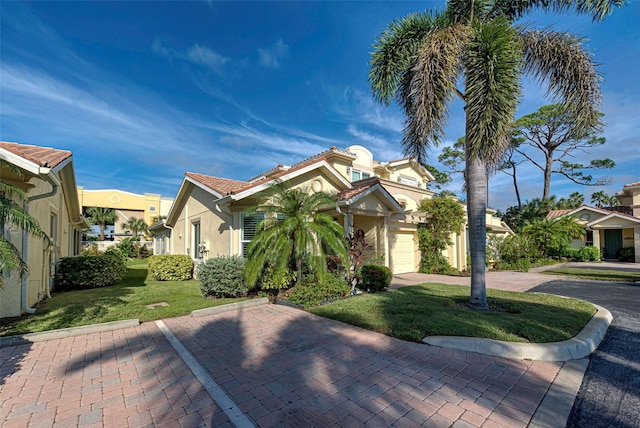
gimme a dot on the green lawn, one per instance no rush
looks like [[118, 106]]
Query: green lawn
[[126, 300], [411, 313], [602, 274]]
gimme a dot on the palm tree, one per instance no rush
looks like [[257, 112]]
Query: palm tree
[[11, 213], [135, 225], [473, 50], [293, 232], [102, 217]]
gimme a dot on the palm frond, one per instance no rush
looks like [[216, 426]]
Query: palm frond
[[395, 51], [432, 88], [559, 60], [11, 212], [492, 70], [598, 9], [10, 259]]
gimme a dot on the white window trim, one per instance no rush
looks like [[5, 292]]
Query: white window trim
[[241, 230]]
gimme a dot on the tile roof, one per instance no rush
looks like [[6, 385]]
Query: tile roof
[[358, 187], [42, 156], [557, 213], [224, 186], [635, 184]]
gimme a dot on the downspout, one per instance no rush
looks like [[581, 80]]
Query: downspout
[[25, 240], [164, 223]]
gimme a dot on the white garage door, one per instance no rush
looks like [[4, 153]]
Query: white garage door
[[403, 252]]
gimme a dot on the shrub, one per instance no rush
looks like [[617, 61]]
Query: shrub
[[376, 277], [90, 250], [171, 267], [313, 292], [588, 254], [626, 254], [514, 248], [80, 272], [520, 265], [128, 248], [222, 276], [273, 281]]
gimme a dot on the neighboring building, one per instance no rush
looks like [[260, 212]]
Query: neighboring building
[[208, 216], [47, 177], [126, 204], [611, 228]]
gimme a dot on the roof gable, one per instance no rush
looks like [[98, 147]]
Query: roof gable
[[363, 189], [41, 156]]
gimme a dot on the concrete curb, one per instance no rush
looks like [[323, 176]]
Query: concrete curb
[[580, 346], [66, 332], [555, 408], [230, 307]]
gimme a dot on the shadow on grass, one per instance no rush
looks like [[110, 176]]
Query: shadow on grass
[[76, 307]]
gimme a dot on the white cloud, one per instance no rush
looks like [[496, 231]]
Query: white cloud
[[271, 56], [203, 55]]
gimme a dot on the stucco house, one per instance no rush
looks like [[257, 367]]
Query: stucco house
[[610, 228], [208, 216], [47, 177]]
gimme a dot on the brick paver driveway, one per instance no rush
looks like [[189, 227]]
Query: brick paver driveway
[[279, 365]]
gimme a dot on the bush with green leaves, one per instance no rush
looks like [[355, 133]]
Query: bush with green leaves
[[312, 291], [222, 276], [626, 254], [170, 267], [514, 248], [376, 277], [445, 216], [128, 247], [588, 254], [80, 272], [520, 265]]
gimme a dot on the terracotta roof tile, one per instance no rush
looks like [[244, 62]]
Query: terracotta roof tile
[[635, 184], [224, 186], [42, 156], [358, 187], [557, 213]]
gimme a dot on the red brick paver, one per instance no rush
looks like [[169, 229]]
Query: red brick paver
[[281, 366]]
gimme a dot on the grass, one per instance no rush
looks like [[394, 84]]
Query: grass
[[128, 299], [411, 313], [596, 274]]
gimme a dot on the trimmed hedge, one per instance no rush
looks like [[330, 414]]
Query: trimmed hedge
[[376, 277], [315, 292], [171, 267], [222, 276], [80, 272]]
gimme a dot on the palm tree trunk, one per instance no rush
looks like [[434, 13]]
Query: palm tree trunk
[[477, 208], [547, 176]]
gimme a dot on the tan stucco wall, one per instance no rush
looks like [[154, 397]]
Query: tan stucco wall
[[38, 253]]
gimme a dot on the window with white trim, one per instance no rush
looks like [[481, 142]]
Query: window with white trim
[[406, 180], [357, 174], [249, 225], [196, 234]]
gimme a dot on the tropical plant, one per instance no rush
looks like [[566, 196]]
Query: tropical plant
[[552, 236], [11, 213], [135, 225], [600, 199], [553, 132], [102, 217], [445, 216], [420, 60], [293, 231], [357, 249]]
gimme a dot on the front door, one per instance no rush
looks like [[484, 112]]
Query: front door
[[612, 242]]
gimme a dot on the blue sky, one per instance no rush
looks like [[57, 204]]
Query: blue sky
[[143, 91]]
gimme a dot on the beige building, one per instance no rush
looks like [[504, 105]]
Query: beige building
[[208, 216], [611, 228], [47, 177], [126, 205]]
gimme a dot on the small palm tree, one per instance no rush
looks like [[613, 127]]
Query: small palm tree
[[552, 236], [474, 51], [293, 232], [11, 213], [135, 225], [102, 217]]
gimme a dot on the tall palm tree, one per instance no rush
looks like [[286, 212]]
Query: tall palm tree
[[102, 217], [11, 213], [135, 225], [294, 231], [474, 50]]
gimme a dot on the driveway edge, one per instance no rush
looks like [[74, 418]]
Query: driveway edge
[[555, 408], [580, 346], [66, 332], [230, 307]]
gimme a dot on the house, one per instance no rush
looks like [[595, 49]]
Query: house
[[610, 228], [48, 179], [208, 216], [126, 205]]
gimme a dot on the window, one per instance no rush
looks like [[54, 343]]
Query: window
[[356, 175], [406, 180], [152, 208], [249, 224], [196, 240], [589, 239]]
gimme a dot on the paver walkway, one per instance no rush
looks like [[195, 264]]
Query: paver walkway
[[281, 366]]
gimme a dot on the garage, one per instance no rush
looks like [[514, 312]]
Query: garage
[[402, 252]]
